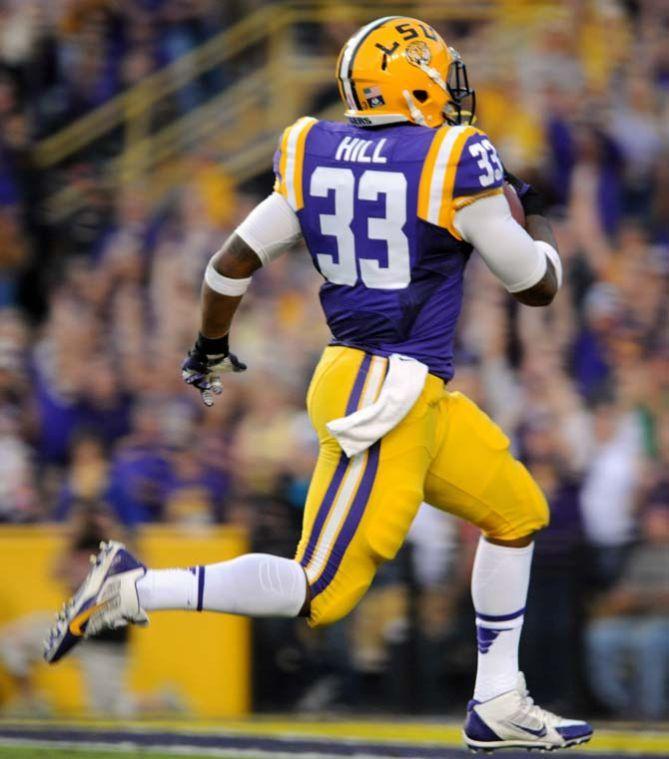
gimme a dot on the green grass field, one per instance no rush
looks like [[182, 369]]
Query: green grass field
[[285, 739], [21, 752]]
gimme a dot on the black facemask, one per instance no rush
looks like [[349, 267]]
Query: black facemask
[[461, 108]]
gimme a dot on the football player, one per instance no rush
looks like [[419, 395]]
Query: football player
[[390, 206]]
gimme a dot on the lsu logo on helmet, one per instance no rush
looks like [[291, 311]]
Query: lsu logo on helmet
[[399, 69]]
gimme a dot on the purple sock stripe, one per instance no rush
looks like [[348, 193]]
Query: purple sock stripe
[[200, 587], [338, 476], [500, 617], [351, 522]]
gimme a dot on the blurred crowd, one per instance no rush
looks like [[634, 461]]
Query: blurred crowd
[[97, 312], [73, 55]]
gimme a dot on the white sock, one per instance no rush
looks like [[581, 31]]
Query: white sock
[[499, 590], [256, 585], [168, 589]]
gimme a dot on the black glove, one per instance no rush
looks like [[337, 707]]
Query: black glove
[[530, 199], [207, 360]]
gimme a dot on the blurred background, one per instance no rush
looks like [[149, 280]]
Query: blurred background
[[134, 136]]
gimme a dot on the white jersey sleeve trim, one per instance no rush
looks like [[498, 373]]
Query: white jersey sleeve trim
[[271, 228], [517, 260]]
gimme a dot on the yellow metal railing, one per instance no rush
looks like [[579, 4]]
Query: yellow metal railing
[[244, 120], [136, 101]]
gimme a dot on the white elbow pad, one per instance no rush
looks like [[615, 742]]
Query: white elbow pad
[[271, 228]]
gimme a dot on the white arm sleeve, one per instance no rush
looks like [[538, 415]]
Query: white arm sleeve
[[271, 228], [517, 260]]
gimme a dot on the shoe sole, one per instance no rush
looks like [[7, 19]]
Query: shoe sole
[[488, 747], [78, 617]]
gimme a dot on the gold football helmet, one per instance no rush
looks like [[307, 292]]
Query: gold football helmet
[[399, 69]]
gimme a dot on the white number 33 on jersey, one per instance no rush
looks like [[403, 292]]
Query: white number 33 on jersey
[[488, 162]]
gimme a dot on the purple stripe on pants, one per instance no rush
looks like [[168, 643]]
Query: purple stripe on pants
[[359, 383], [351, 522], [331, 492]]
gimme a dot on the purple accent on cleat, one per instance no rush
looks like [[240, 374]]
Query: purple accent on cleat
[[68, 641], [124, 561], [475, 728], [486, 636], [572, 732], [200, 588], [61, 638], [541, 733]]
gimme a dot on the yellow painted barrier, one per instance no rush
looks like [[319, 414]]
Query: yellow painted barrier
[[203, 660]]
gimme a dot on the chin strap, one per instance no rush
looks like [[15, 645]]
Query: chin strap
[[414, 110]]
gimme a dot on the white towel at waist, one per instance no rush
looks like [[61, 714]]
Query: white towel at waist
[[404, 382]]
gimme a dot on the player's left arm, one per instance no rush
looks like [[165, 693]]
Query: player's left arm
[[269, 230], [528, 267], [545, 290], [462, 191], [526, 260], [538, 227]]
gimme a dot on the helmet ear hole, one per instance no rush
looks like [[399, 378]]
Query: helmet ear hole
[[420, 95]]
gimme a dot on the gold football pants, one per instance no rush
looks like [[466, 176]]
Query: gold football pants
[[446, 451]]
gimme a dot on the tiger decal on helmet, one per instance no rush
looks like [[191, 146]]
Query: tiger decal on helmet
[[400, 69]]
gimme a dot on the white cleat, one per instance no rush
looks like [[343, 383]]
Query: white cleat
[[107, 599], [513, 720]]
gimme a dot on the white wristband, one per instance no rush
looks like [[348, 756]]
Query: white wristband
[[225, 285], [553, 256]]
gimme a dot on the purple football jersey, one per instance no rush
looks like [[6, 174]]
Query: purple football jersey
[[393, 280]]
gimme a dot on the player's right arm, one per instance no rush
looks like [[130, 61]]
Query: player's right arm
[[269, 230]]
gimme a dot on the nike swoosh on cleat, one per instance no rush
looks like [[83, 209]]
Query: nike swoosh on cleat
[[537, 733], [81, 619]]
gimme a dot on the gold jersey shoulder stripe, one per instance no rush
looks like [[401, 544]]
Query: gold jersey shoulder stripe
[[447, 211], [426, 174], [438, 176], [291, 163], [436, 203]]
